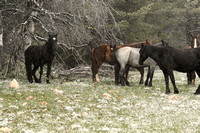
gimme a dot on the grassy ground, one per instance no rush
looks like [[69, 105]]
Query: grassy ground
[[82, 106]]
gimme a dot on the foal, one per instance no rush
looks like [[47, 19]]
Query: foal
[[39, 56], [169, 59]]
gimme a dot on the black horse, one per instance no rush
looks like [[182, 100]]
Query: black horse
[[169, 59], [39, 56]]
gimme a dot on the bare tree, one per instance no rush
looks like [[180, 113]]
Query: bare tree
[[81, 25]]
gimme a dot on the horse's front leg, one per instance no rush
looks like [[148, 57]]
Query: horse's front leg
[[41, 72], [171, 74], [121, 74], [126, 75], [166, 75], [141, 70], [151, 75], [148, 75], [48, 72]]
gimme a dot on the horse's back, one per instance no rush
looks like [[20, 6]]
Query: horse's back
[[128, 55], [100, 54]]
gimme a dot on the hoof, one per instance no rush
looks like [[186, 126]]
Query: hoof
[[30, 81], [38, 81], [176, 92], [123, 84], [197, 91], [127, 83], [167, 92], [48, 82], [150, 85]]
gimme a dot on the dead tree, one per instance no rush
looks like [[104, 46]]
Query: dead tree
[[1, 44]]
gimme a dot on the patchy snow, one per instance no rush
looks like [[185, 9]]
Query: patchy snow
[[101, 107]]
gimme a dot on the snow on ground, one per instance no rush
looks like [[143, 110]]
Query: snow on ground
[[83, 106]]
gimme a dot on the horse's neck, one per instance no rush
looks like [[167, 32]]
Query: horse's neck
[[48, 47], [154, 53]]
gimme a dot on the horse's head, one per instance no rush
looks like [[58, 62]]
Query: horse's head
[[53, 38], [113, 48], [164, 43], [143, 54], [148, 42], [194, 43]]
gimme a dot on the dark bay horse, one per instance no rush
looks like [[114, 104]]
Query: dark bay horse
[[169, 59], [39, 56], [194, 44], [102, 53], [129, 57]]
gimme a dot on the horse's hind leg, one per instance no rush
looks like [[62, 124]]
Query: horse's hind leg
[[95, 69], [48, 72], [41, 72], [193, 77], [117, 68], [121, 74], [126, 75], [33, 73], [29, 72], [189, 78]]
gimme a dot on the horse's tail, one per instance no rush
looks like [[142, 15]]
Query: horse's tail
[[92, 56]]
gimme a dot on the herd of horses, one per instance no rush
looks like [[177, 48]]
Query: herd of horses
[[137, 55], [144, 54]]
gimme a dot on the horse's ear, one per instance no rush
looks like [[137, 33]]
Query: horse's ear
[[149, 42], [114, 47]]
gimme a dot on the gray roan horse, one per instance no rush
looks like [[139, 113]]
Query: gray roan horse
[[129, 57], [169, 59]]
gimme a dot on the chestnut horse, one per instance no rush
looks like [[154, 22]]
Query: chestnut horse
[[194, 44], [102, 53]]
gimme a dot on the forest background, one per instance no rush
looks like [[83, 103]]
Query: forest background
[[84, 24]]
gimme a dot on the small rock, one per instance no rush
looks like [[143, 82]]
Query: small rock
[[29, 98], [5, 130], [173, 97], [14, 84]]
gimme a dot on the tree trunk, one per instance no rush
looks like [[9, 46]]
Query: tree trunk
[[30, 26], [1, 44]]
